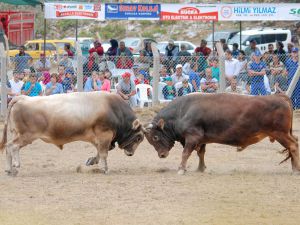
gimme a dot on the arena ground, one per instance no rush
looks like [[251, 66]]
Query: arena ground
[[237, 188]]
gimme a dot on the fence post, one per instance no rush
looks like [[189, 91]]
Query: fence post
[[156, 68], [79, 67], [222, 67], [3, 64], [294, 81]]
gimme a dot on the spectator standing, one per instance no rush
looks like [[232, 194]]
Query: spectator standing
[[203, 49], [231, 66], [280, 51], [291, 67], [67, 81], [235, 50], [32, 87], [277, 71], [125, 59], [242, 68], [67, 48], [290, 46], [66, 61], [53, 87], [183, 55], [126, 89], [257, 70], [148, 49], [97, 48], [171, 53], [208, 83], [224, 44], [252, 48], [194, 77], [112, 51], [22, 60], [215, 68], [178, 76]]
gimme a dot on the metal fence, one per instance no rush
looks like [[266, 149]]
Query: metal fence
[[142, 80]]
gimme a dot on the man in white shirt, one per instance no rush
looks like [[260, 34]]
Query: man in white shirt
[[14, 86], [231, 66], [179, 76]]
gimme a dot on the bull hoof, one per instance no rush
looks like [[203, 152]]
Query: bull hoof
[[16, 165], [13, 172], [201, 169], [91, 161], [181, 172], [104, 171]]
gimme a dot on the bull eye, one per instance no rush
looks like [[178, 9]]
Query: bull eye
[[138, 139], [155, 138]]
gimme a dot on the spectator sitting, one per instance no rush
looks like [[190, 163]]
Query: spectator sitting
[[224, 44], [215, 69], [90, 66], [125, 59], [105, 83], [203, 49], [169, 90], [257, 70], [183, 55], [42, 65], [126, 89], [141, 79], [143, 61], [32, 87], [148, 49], [252, 48], [268, 55], [45, 78], [66, 62], [178, 76], [209, 84], [14, 86], [235, 50], [93, 83], [61, 73], [112, 50], [67, 81], [163, 73], [185, 89], [22, 60], [67, 48], [194, 77], [53, 87], [231, 66], [97, 48], [26, 75], [233, 88], [171, 55]]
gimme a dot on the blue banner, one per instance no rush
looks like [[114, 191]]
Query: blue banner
[[132, 11]]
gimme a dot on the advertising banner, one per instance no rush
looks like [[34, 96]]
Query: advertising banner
[[194, 12], [258, 12], [132, 11], [74, 11]]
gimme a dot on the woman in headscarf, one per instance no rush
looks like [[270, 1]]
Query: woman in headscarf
[[112, 51], [90, 66], [126, 89]]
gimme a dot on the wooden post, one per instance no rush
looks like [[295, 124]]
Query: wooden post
[[156, 69]]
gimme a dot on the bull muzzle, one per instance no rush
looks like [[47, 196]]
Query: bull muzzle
[[163, 154]]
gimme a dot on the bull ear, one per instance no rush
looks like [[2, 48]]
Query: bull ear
[[161, 124], [136, 124], [147, 127]]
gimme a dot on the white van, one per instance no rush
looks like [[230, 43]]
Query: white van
[[263, 37]]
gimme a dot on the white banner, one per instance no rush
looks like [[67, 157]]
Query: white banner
[[259, 12], [74, 11]]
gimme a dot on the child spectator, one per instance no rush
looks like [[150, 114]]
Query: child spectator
[[141, 79], [185, 89], [215, 69], [209, 84], [14, 86], [104, 81], [32, 87], [169, 91], [194, 77], [67, 81], [53, 87], [163, 73], [235, 50], [276, 69]]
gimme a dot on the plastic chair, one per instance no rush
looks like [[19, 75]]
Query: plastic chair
[[161, 97], [142, 94]]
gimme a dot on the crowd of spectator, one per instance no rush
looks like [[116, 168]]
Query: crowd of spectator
[[246, 72]]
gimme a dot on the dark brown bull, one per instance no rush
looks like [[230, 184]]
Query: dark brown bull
[[237, 120]]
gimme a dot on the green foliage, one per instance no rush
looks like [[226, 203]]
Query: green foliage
[[148, 34], [64, 25], [112, 31], [145, 23]]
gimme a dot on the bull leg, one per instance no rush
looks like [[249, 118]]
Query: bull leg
[[12, 159], [201, 153], [93, 160], [103, 153], [8, 168], [291, 144], [185, 155]]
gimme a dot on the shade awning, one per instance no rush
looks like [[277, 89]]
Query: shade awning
[[22, 2]]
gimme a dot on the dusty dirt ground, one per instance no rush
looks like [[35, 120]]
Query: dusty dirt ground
[[237, 188]]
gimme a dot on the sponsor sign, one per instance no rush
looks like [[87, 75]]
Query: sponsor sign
[[195, 12], [132, 11], [74, 11], [257, 12]]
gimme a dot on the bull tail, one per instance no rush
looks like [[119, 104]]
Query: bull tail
[[4, 135]]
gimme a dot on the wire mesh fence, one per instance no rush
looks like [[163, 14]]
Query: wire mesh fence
[[132, 76]]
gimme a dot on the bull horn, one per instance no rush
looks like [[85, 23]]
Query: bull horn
[[136, 124], [147, 127]]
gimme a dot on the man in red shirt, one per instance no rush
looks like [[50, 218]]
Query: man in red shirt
[[68, 50], [203, 49], [97, 48]]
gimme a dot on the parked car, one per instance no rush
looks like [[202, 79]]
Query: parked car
[[263, 37], [218, 35], [35, 47], [86, 43], [190, 46], [136, 44]]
